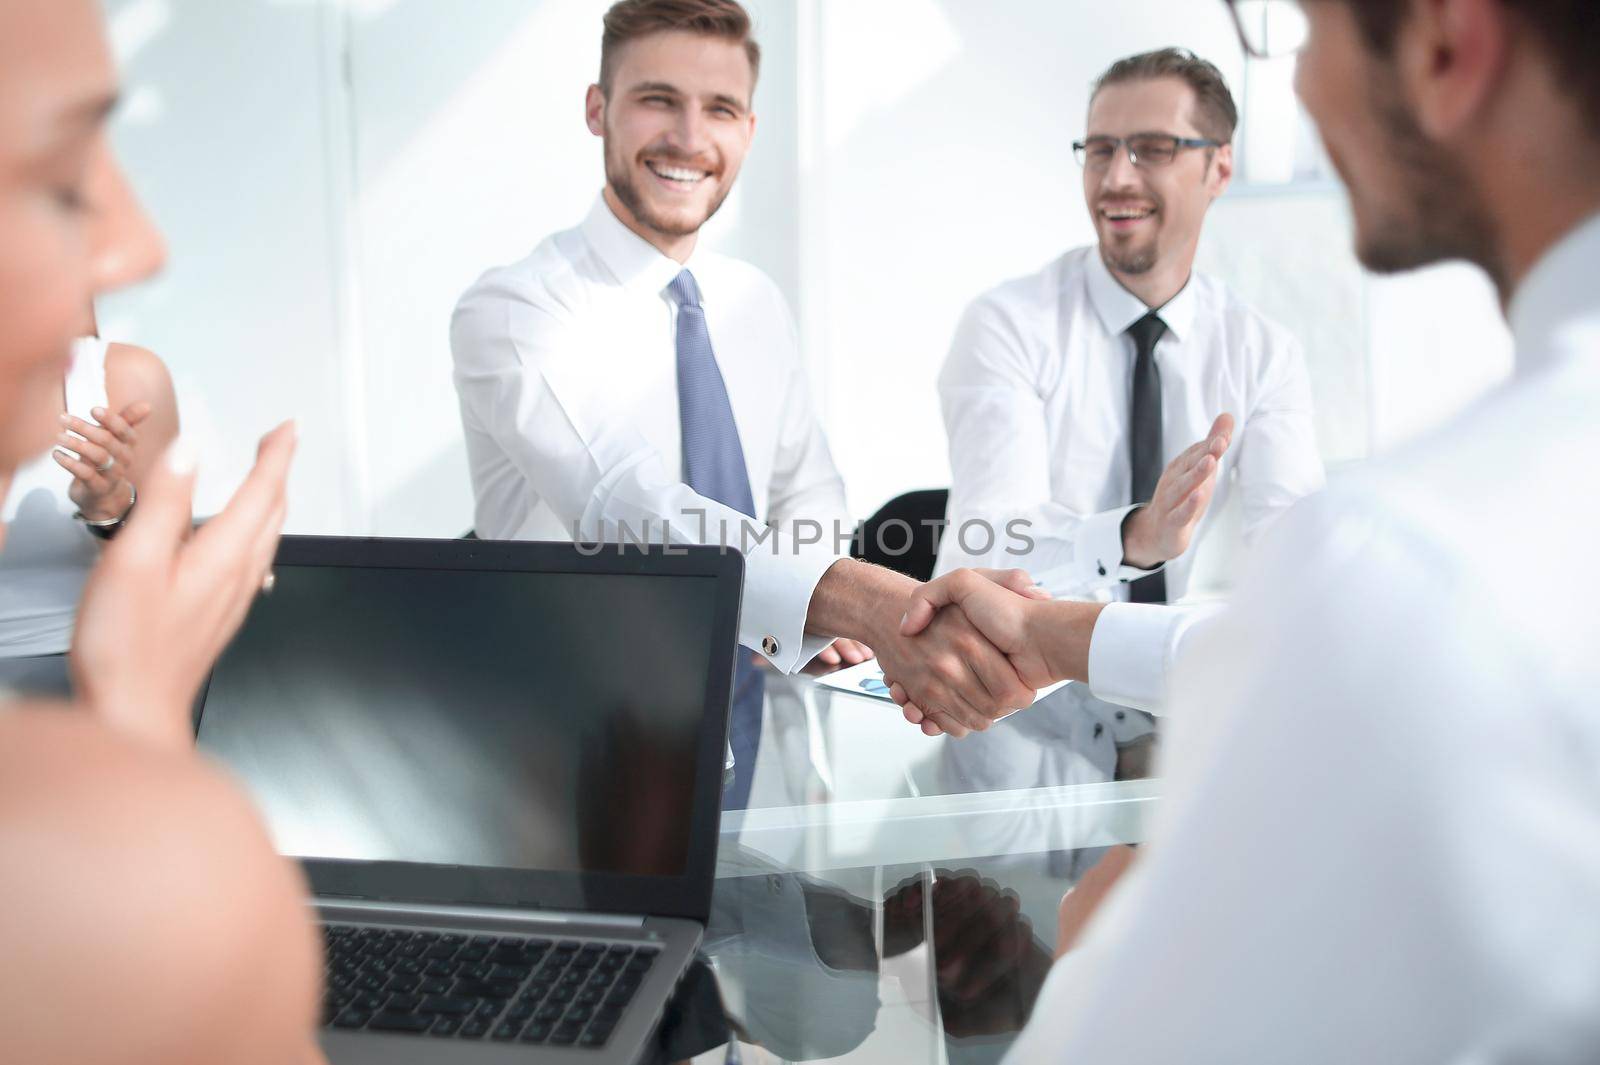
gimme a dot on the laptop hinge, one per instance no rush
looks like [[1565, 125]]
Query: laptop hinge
[[557, 918]]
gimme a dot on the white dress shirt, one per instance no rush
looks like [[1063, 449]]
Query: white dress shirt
[[1037, 395], [566, 368], [1381, 841]]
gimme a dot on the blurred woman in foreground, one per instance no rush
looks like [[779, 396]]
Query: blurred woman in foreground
[[145, 914]]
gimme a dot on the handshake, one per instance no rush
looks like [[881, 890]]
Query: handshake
[[976, 645]]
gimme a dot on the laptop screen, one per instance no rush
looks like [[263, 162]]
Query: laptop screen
[[498, 719]]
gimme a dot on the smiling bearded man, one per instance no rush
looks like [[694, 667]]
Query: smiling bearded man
[[623, 383], [602, 401]]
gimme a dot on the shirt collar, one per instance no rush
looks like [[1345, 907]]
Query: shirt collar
[[1557, 296], [632, 260], [1118, 308]]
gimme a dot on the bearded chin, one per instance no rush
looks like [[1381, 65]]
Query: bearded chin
[[1134, 261], [1440, 215], [620, 178]]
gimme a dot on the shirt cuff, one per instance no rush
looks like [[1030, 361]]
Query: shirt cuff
[[1094, 565], [1129, 654], [1100, 548], [780, 577], [1135, 645]]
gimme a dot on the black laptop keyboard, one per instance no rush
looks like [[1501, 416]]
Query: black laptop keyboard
[[508, 988]]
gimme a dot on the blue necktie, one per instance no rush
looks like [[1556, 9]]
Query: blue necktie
[[713, 465]]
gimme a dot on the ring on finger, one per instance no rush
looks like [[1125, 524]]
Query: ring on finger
[[269, 582]]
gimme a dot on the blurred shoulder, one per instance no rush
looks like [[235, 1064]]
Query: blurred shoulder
[[108, 798], [117, 850], [1428, 552], [136, 372]]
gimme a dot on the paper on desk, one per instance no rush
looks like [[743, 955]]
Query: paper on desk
[[866, 678]]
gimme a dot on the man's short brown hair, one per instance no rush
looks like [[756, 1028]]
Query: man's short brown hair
[[1569, 29], [1215, 113], [629, 20]]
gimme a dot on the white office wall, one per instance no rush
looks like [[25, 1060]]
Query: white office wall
[[332, 173], [224, 133]]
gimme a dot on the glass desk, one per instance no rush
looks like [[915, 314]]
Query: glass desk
[[892, 898]]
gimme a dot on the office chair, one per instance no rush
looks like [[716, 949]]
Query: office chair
[[911, 548]]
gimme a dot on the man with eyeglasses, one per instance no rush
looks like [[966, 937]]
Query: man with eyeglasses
[[1082, 402], [1380, 835]]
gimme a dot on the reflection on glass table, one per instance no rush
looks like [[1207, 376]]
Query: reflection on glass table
[[890, 897]]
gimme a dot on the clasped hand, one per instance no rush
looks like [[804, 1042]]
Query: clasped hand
[[971, 616], [1162, 530], [980, 615], [962, 677]]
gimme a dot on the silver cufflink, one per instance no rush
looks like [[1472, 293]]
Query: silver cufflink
[[769, 646]]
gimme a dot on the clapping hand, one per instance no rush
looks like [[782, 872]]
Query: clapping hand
[[100, 456], [161, 604], [1161, 531]]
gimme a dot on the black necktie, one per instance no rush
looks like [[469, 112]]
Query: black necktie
[[1144, 437]]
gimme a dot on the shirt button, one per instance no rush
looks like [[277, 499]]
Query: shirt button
[[769, 646], [1102, 568]]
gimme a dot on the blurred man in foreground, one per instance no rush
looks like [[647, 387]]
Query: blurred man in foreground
[[1381, 840]]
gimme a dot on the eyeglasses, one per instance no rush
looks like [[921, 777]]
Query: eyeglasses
[[1270, 29], [1146, 150]]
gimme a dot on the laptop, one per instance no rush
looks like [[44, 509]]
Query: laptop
[[501, 766]]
